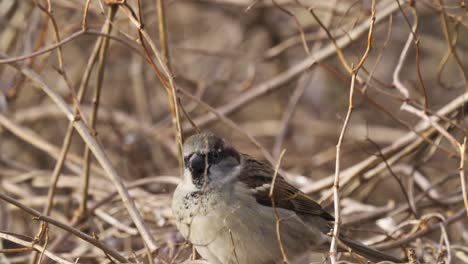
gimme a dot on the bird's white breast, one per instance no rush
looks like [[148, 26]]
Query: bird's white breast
[[227, 228]]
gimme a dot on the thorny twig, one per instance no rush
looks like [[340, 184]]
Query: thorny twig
[[336, 181]]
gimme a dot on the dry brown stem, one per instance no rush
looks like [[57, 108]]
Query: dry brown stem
[[265, 75], [100, 155]]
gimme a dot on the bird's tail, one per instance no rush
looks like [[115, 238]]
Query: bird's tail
[[365, 251]]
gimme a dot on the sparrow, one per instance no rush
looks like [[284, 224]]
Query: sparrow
[[224, 208]]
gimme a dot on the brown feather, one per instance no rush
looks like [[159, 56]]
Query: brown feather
[[256, 175]]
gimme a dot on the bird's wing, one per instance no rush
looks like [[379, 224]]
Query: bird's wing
[[258, 176]]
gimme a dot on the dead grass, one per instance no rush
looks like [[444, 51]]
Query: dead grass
[[96, 96]]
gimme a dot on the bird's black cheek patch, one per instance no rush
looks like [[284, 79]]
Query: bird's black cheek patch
[[198, 179], [198, 163]]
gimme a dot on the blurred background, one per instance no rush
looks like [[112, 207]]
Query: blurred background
[[265, 75]]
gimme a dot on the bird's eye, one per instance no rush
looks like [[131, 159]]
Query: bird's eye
[[214, 157]]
